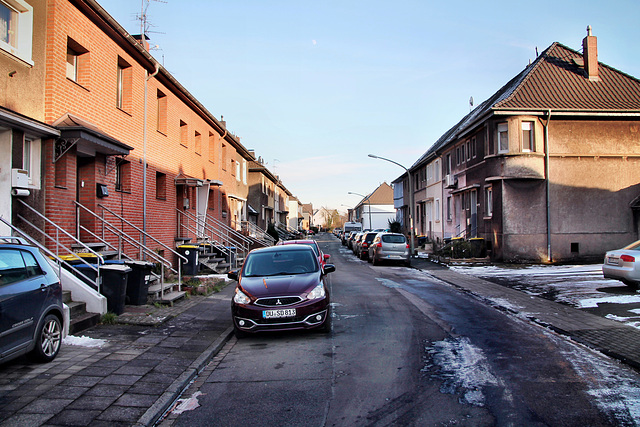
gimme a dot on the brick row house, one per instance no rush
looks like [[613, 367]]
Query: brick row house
[[546, 169], [99, 131]]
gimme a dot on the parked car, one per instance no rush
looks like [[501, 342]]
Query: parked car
[[623, 264], [354, 242], [322, 257], [31, 310], [364, 243], [389, 247], [280, 288], [350, 238]]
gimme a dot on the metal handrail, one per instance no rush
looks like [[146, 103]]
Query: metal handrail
[[143, 250], [232, 231], [258, 233], [56, 255]]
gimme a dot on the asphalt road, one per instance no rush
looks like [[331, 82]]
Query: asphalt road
[[406, 349]]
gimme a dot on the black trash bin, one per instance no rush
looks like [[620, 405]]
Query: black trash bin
[[190, 266], [477, 247], [137, 284], [114, 286]]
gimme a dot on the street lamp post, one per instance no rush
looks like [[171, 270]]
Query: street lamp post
[[411, 204], [368, 203]]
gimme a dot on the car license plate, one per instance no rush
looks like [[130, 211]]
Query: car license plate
[[283, 312], [612, 261]]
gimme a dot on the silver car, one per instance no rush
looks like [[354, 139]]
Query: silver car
[[623, 264], [389, 247]]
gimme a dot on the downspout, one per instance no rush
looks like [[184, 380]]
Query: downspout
[[546, 174], [144, 154]]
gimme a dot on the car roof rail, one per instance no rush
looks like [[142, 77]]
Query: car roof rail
[[14, 240]]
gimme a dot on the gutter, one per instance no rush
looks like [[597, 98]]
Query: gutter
[[546, 174]]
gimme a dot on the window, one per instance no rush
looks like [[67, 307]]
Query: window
[[77, 62], [437, 169], [448, 164], [468, 150], [458, 155], [198, 142], [238, 175], [223, 155], [212, 147], [473, 147], [488, 199], [161, 119], [16, 29], [462, 153], [437, 209], [123, 175], [124, 84], [503, 138], [244, 171], [449, 208], [161, 186], [527, 137], [184, 134], [31, 155]]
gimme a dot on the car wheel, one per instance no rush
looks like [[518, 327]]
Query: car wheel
[[239, 333], [48, 339], [326, 326]]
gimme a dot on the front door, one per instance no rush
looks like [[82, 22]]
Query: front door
[[202, 204], [474, 213]]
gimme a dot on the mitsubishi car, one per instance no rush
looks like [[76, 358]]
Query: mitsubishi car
[[281, 288]]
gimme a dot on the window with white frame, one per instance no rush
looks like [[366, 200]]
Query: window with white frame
[[437, 210], [31, 158], [503, 138], [16, 29], [437, 171], [473, 147], [238, 176], [528, 143], [244, 171], [488, 201], [449, 211]]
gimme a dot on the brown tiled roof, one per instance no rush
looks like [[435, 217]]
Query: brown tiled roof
[[557, 81]]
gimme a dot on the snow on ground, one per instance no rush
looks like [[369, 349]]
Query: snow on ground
[[580, 286], [83, 341], [463, 367]]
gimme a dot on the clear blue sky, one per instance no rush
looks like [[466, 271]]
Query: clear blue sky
[[314, 87]]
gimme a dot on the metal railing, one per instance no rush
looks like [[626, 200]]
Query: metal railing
[[257, 233], [108, 229], [56, 242]]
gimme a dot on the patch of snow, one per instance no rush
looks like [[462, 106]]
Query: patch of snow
[[613, 299], [507, 304], [463, 367], [83, 341], [631, 321]]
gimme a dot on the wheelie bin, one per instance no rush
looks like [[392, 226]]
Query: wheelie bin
[[190, 266]]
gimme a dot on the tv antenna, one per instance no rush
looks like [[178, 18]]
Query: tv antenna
[[143, 17]]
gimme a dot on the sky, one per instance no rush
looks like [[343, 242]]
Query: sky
[[314, 87]]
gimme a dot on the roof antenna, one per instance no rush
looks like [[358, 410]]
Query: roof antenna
[[536, 51]]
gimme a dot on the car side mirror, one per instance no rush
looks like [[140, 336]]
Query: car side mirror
[[329, 268], [233, 274], [326, 256]]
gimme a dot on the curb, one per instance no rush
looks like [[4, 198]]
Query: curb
[[173, 392]]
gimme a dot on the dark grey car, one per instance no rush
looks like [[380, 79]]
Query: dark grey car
[[31, 310]]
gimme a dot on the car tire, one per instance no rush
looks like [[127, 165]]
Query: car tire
[[326, 326], [48, 339], [239, 333]]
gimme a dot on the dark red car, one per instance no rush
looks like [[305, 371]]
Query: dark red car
[[322, 257], [281, 288]]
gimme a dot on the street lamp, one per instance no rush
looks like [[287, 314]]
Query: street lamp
[[369, 203], [411, 204], [349, 208]]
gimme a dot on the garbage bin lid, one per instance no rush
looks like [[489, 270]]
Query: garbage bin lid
[[138, 263], [116, 267], [188, 247]]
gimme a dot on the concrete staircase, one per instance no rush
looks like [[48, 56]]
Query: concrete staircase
[[80, 319]]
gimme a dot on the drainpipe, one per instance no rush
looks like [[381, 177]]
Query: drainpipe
[[144, 153], [546, 174]]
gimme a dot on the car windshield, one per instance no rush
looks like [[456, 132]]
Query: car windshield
[[274, 263], [393, 238]]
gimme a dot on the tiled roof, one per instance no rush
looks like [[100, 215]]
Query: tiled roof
[[555, 81]]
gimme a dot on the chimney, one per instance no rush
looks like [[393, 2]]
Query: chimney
[[590, 55], [143, 40]]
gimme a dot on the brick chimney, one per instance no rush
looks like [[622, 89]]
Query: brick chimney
[[590, 54]]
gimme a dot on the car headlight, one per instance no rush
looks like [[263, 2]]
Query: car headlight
[[317, 292], [241, 298]]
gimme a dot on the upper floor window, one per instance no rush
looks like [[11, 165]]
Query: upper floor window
[[198, 142], [184, 134], [124, 84], [473, 147], [488, 200], [16, 29], [77, 62], [212, 147], [503, 138], [161, 119], [161, 186], [528, 142]]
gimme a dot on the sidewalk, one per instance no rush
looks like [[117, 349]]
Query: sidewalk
[[607, 336], [132, 379]]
